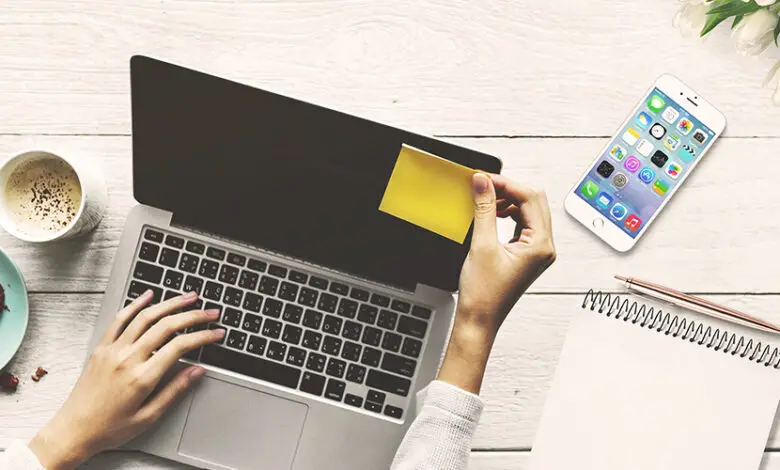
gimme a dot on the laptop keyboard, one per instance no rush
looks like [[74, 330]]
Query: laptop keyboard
[[288, 326]]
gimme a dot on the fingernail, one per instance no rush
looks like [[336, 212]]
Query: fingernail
[[148, 293], [219, 333], [212, 313], [190, 295], [197, 373], [480, 183]]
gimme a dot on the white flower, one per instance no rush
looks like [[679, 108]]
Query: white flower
[[691, 17], [773, 81], [755, 32]]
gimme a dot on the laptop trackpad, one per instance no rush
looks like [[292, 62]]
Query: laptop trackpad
[[237, 427]]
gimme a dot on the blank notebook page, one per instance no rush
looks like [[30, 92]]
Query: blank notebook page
[[625, 397]]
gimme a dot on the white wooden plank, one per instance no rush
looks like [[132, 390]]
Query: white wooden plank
[[492, 67], [725, 216], [516, 383]]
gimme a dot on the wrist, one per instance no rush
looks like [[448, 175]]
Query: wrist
[[58, 449]]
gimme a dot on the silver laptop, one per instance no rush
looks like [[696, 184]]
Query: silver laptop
[[336, 313]]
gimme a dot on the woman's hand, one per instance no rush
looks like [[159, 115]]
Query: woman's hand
[[495, 274], [115, 399]]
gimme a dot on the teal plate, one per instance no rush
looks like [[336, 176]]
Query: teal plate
[[13, 322]]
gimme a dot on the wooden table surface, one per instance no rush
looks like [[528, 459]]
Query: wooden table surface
[[540, 84]]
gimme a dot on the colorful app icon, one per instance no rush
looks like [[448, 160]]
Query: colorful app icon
[[619, 180], [687, 153], [685, 126], [670, 115], [618, 211], [630, 136], [659, 159], [646, 175], [604, 201], [633, 222], [643, 120], [644, 148], [699, 137], [660, 187], [656, 103], [658, 131], [618, 153], [674, 170], [589, 189], [632, 164], [672, 142], [605, 169]]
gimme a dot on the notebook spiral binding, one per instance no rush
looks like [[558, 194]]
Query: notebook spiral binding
[[614, 306]]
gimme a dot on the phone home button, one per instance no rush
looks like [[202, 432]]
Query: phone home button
[[598, 224]]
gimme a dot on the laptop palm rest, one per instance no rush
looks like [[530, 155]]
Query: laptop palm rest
[[236, 427]]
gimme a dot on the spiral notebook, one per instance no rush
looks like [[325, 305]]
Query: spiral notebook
[[641, 389]]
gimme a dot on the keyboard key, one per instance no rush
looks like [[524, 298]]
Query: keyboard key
[[238, 260], [255, 367], [189, 263], [148, 272], [335, 390], [252, 323], [421, 312], [232, 317], [338, 288], [312, 383], [372, 336], [393, 412], [336, 367], [312, 340], [149, 252], [376, 397], [391, 342], [276, 350], [137, 288], [380, 300], [292, 313], [299, 277], [352, 330], [347, 308], [412, 327], [256, 345], [308, 297], [153, 235], [213, 291], [169, 258], [248, 280], [388, 383], [277, 271], [351, 351], [236, 340], [257, 265], [292, 334], [195, 247], [272, 328], [228, 274], [288, 291], [296, 356], [367, 314], [375, 407], [332, 325], [215, 253], [213, 306], [371, 357], [398, 364], [208, 268], [353, 400], [169, 294], [387, 319], [233, 296], [316, 362], [400, 306], [173, 280], [268, 285], [312, 319], [193, 284], [359, 294], [327, 302], [272, 308], [318, 282], [411, 347], [331, 345], [253, 302], [174, 241], [356, 373]]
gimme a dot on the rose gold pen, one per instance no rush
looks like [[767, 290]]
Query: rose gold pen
[[697, 304]]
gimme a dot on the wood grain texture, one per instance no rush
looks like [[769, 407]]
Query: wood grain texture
[[719, 232], [494, 67]]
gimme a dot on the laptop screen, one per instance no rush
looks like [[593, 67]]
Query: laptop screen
[[283, 175]]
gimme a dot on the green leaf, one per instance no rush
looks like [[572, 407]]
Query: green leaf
[[734, 8], [777, 32], [737, 19], [712, 22]]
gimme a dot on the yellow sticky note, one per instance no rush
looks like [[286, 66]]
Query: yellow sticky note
[[430, 192]]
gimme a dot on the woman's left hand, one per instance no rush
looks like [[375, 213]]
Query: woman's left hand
[[115, 399]]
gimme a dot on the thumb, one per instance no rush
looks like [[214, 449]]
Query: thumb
[[485, 233]]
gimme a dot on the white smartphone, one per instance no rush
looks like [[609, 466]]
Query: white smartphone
[[645, 163]]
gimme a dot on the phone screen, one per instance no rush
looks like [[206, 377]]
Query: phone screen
[[645, 161]]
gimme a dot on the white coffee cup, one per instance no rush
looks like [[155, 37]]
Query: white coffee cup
[[93, 201]]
